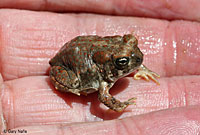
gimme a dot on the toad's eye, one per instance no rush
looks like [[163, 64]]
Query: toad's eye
[[121, 62]]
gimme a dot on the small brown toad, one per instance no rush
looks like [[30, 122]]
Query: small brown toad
[[92, 63]]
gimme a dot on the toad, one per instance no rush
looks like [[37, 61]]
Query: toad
[[87, 64]]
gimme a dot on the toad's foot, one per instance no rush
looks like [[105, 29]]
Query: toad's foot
[[115, 104], [111, 102], [131, 101], [146, 74]]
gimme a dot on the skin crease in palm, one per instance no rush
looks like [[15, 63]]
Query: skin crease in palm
[[31, 33], [91, 63]]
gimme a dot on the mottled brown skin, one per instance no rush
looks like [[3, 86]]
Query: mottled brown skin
[[91, 63]]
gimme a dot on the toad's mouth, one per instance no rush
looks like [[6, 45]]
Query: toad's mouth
[[123, 73]]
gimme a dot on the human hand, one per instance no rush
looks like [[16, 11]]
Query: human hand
[[28, 39]]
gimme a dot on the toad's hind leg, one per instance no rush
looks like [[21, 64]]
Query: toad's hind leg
[[64, 79], [112, 102]]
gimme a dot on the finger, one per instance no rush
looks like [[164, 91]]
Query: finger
[[33, 101], [29, 39], [172, 121], [179, 9]]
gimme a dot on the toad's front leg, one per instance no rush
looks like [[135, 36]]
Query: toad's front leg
[[146, 74], [112, 102]]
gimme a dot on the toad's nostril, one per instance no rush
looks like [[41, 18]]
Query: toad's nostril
[[138, 60]]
